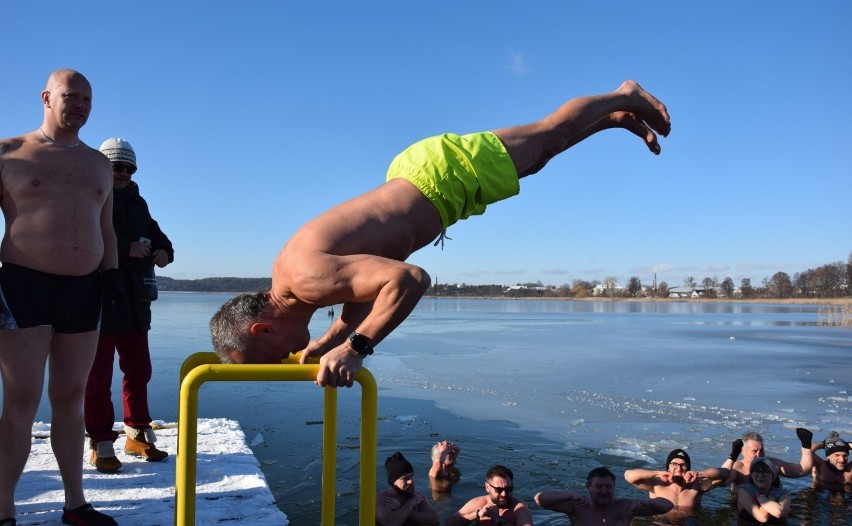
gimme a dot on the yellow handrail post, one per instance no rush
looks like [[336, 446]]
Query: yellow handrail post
[[369, 443], [329, 455], [185, 474], [203, 367]]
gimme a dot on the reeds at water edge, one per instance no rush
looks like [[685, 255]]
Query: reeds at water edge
[[834, 316]]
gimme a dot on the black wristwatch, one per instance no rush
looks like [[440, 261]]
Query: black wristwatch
[[361, 345]]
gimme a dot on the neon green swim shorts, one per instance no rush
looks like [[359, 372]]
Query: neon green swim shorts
[[459, 174]]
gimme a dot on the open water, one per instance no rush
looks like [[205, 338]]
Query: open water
[[550, 389]]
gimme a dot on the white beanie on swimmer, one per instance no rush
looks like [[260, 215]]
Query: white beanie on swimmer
[[118, 150]]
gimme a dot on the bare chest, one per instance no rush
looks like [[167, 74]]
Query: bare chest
[[681, 496], [54, 184], [832, 476], [617, 515]]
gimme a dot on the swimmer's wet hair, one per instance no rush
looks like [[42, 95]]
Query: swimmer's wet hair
[[229, 327], [499, 471], [752, 435], [599, 473]]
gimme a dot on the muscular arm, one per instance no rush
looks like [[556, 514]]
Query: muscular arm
[[562, 501], [791, 470], [711, 477], [643, 479], [351, 316], [523, 517], [394, 288]]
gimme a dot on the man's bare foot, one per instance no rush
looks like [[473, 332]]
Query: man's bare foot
[[647, 108]]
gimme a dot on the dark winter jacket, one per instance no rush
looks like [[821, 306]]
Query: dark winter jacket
[[132, 220]]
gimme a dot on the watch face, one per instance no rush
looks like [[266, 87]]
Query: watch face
[[360, 344]]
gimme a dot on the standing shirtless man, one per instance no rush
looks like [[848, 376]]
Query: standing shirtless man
[[355, 253], [56, 197]]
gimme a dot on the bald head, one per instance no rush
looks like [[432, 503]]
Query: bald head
[[61, 77], [67, 101]]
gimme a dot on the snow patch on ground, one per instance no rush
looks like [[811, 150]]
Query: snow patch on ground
[[230, 485]]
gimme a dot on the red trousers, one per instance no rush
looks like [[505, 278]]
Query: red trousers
[[134, 360]]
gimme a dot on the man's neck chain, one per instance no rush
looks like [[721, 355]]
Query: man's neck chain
[[51, 141]]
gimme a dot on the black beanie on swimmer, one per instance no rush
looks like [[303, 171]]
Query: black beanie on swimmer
[[397, 466], [681, 454], [835, 444]]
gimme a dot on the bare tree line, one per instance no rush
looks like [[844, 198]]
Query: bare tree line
[[831, 280]]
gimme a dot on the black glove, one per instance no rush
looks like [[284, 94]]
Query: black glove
[[114, 299], [805, 436], [736, 448]]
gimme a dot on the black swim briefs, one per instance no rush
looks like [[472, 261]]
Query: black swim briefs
[[30, 298]]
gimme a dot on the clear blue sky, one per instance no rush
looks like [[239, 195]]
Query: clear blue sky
[[250, 118]]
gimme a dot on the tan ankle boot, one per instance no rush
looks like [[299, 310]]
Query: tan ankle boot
[[103, 457], [140, 443]]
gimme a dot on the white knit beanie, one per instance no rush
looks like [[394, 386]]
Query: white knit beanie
[[119, 150]]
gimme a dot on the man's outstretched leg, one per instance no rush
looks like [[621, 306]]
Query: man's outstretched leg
[[630, 107]]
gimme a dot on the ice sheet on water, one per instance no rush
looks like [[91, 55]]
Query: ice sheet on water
[[631, 455]]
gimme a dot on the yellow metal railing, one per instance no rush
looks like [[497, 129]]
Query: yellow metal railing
[[205, 367]]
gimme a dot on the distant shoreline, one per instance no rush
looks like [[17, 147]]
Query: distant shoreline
[[785, 301]]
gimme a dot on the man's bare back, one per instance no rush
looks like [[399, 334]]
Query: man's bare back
[[391, 221]]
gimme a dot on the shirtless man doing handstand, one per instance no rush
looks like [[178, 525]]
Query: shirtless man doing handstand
[[354, 254]]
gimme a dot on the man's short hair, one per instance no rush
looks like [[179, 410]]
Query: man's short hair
[[229, 327], [499, 471], [752, 435], [599, 473]]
